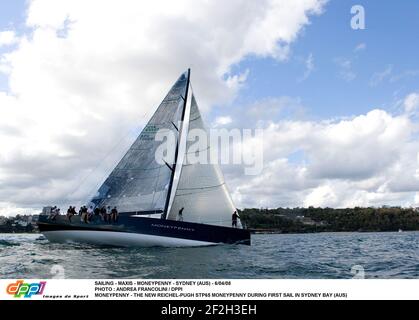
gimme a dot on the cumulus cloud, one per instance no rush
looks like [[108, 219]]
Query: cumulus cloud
[[321, 196], [411, 102], [84, 72], [222, 121], [370, 159], [7, 37]]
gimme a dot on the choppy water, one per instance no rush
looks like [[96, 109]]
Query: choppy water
[[326, 255]]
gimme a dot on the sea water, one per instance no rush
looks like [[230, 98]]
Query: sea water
[[304, 256]]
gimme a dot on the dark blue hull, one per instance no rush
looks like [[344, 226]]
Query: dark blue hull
[[138, 231]]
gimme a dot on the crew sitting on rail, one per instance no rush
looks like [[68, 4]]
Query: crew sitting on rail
[[114, 214], [90, 213], [71, 211], [54, 213], [103, 213], [84, 214]]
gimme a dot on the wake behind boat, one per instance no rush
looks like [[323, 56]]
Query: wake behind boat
[[160, 203]]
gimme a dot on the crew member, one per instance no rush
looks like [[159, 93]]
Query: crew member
[[234, 218], [180, 214]]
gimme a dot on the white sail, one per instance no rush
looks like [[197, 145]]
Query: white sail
[[201, 189]]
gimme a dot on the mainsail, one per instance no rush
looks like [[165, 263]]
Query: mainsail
[[139, 183]]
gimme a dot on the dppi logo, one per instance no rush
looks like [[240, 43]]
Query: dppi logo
[[27, 290]]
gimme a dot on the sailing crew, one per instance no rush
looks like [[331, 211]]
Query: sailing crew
[[51, 212], [84, 214], [81, 213], [69, 213], [108, 214], [103, 213], [96, 213], [90, 213], [114, 214], [180, 214], [54, 213], [234, 218], [57, 213]]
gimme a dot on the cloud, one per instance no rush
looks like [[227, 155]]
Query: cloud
[[391, 76], [345, 65], [280, 184], [379, 77], [345, 69], [222, 121], [411, 103], [266, 109], [84, 73], [405, 75], [360, 47], [309, 64], [259, 113], [7, 38], [322, 196], [367, 160]]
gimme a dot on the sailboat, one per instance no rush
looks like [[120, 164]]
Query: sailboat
[[171, 204]]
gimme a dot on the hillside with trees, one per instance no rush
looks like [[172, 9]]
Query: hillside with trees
[[301, 220]]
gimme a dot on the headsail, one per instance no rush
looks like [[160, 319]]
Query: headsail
[[201, 189], [138, 183]]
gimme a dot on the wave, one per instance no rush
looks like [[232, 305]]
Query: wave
[[5, 243]]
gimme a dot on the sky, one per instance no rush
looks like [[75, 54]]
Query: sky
[[338, 106]]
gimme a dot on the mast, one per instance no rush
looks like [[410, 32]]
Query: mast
[[172, 176]]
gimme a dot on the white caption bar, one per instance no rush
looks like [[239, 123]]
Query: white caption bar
[[24, 289]]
